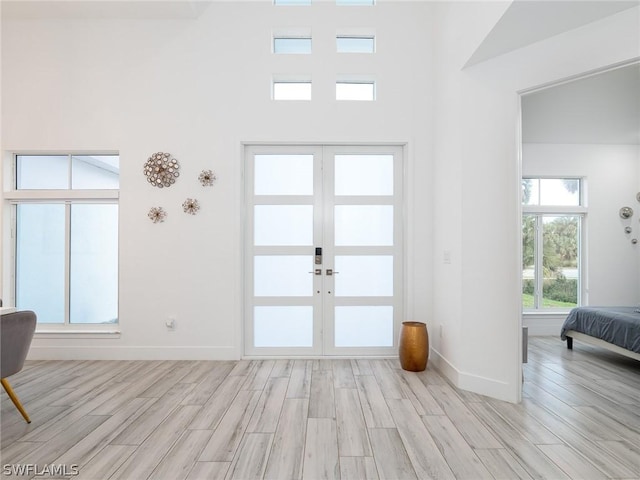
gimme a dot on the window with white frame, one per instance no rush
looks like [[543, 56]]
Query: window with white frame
[[65, 237], [552, 230]]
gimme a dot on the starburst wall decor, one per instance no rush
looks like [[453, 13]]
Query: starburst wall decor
[[190, 206], [207, 177], [157, 214]]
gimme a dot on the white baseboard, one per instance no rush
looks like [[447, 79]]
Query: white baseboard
[[131, 353], [473, 383]]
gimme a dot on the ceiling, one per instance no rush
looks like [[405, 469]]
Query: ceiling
[[528, 21], [599, 109]]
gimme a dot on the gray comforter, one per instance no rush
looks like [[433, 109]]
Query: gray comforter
[[617, 325]]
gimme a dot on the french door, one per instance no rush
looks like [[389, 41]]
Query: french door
[[323, 250]]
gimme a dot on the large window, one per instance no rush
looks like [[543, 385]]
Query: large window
[[552, 225], [66, 237]]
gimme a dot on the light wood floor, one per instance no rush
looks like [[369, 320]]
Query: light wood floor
[[350, 419]]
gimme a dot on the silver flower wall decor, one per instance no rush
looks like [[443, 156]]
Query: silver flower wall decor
[[161, 169], [207, 177], [190, 206], [157, 214]]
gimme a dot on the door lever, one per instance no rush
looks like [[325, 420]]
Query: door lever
[[331, 272], [317, 271]]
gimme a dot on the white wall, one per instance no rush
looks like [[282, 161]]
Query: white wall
[[477, 175], [198, 89]]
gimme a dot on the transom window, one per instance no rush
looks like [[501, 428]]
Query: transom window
[[65, 246], [552, 232], [292, 45]]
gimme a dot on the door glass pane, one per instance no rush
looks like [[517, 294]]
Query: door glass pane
[[364, 276], [95, 172], [40, 260], [42, 172], [283, 175], [364, 174], [94, 264], [560, 261], [367, 326], [363, 225], [283, 275], [283, 224], [283, 326]]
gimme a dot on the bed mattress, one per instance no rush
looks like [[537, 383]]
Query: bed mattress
[[617, 325]]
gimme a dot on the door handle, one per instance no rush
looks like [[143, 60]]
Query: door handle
[[317, 271], [331, 272]]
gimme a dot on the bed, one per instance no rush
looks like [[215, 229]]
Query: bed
[[614, 328]]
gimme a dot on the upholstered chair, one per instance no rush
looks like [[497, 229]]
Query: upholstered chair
[[16, 333]]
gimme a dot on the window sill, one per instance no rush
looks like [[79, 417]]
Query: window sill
[[103, 334]]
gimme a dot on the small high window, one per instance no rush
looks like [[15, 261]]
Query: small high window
[[285, 90], [364, 91], [354, 44], [292, 2], [299, 45], [355, 2]]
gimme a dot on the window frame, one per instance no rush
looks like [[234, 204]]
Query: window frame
[[541, 211], [68, 197]]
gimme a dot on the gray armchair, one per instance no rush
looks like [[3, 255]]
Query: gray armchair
[[16, 333]]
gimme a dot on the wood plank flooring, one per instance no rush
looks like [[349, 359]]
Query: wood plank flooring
[[324, 419]]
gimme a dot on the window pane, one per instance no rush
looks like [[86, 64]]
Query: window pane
[[95, 172], [292, 90], [355, 44], [40, 260], [42, 172], [528, 261], [560, 261], [94, 264], [364, 276], [355, 91], [292, 2], [283, 326], [364, 174], [283, 276], [283, 175], [370, 326], [362, 225], [530, 191], [283, 224], [355, 2], [559, 191], [292, 45]]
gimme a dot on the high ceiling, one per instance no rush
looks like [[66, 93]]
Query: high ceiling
[[599, 109], [528, 21]]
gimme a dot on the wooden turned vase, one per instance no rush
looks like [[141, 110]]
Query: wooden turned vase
[[414, 346]]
